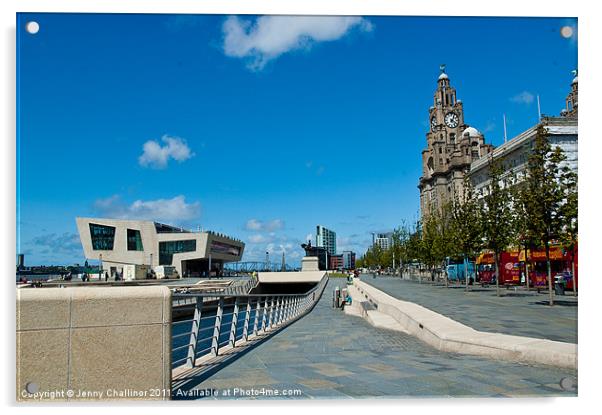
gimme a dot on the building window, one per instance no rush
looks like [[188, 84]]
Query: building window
[[224, 248], [103, 237], [168, 248], [134, 240], [452, 138]]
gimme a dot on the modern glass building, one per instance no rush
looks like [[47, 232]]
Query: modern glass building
[[117, 243], [348, 260], [327, 239], [383, 240]]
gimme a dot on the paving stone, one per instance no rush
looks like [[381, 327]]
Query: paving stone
[[328, 354], [483, 310]]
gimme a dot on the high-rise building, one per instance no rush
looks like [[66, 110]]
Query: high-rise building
[[383, 240], [327, 239]]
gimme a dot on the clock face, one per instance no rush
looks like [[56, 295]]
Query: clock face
[[433, 123], [451, 119]]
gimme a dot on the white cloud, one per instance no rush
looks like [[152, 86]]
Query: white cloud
[[268, 37], [524, 97], [257, 239], [175, 209], [156, 156], [267, 226], [253, 225]]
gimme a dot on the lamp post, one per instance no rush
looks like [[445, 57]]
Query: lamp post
[[99, 266]]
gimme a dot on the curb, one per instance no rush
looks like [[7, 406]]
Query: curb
[[448, 335]]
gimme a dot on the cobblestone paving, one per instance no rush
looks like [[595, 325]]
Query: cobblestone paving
[[328, 354], [520, 313]]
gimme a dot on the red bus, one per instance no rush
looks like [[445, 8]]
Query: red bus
[[561, 261], [512, 267]]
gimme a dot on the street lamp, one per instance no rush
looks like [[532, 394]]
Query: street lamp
[[99, 266]]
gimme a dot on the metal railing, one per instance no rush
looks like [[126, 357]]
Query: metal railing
[[237, 288], [229, 320]]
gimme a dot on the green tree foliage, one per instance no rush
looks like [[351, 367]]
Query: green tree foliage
[[497, 216], [465, 224], [532, 212], [549, 197]]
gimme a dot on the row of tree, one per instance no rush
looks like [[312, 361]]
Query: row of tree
[[531, 211]]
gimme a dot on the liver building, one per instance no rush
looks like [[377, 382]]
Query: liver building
[[451, 147]]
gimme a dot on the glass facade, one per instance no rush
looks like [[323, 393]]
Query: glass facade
[[326, 238], [224, 248], [103, 237], [167, 249], [134, 240]]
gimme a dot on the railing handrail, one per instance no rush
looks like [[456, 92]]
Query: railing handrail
[[225, 294], [277, 311]]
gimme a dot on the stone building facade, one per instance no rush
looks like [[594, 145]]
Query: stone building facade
[[455, 150], [451, 147], [562, 132]]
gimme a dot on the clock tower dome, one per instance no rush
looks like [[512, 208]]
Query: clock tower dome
[[451, 146]]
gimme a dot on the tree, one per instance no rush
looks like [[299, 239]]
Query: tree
[[401, 237], [497, 219], [465, 225], [437, 242], [549, 197], [524, 237], [569, 214]]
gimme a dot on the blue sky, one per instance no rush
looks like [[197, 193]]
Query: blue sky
[[257, 127]]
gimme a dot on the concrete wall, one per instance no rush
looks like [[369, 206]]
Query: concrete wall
[[449, 335], [113, 343], [290, 277]]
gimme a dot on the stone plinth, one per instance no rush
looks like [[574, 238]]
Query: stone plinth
[[93, 343], [309, 263]]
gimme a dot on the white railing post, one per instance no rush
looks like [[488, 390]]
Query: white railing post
[[233, 325], [264, 318], [245, 330], [256, 320], [276, 309], [271, 316], [217, 327], [285, 310], [280, 310], [194, 333]]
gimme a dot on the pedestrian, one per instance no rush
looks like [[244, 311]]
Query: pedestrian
[[106, 276]]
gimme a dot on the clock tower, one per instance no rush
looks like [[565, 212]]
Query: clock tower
[[451, 146]]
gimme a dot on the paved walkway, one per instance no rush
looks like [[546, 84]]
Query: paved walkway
[[519, 313], [328, 354]]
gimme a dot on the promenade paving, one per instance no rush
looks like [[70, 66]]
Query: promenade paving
[[518, 313], [328, 354]]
